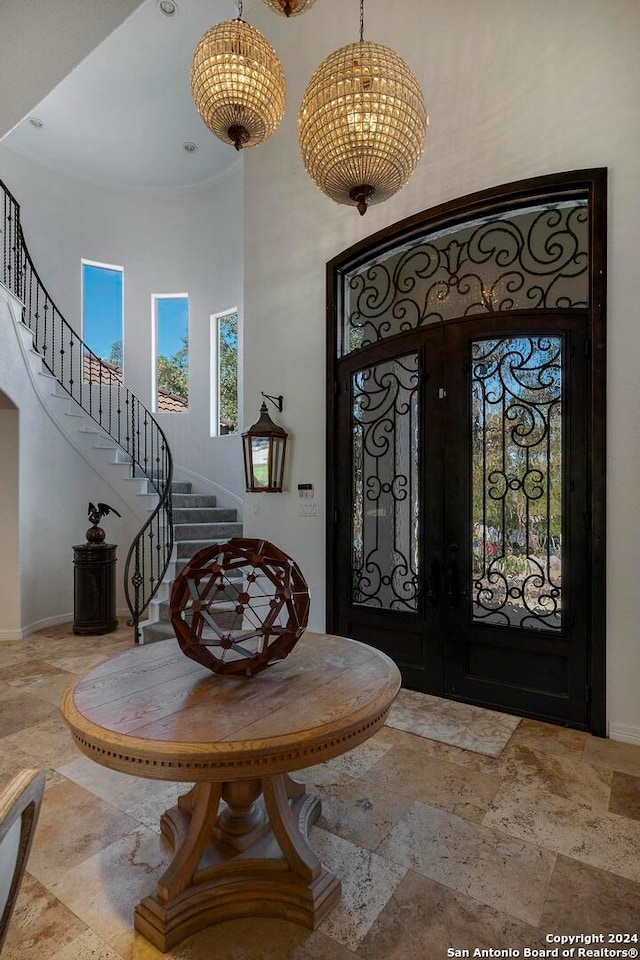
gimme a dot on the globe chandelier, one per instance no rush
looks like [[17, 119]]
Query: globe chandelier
[[238, 83], [362, 123], [290, 8]]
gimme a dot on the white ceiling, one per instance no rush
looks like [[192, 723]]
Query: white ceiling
[[121, 117]]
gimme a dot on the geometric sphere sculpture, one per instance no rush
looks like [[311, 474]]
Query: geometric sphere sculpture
[[362, 124], [238, 84], [239, 606]]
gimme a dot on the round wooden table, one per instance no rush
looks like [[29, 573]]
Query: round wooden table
[[240, 834]]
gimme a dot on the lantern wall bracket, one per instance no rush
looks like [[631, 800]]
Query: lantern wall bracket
[[276, 401]]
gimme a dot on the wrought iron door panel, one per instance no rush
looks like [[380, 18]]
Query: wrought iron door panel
[[388, 535], [515, 507], [516, 481], [385, 502]]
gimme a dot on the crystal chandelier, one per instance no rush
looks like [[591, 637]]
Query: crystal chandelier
[[362, 123], [290, 8], [238, 84]]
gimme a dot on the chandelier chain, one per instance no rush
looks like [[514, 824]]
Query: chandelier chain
[[239, 9], [361, 20]]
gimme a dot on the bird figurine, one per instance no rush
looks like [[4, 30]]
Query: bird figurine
[[95, 534]]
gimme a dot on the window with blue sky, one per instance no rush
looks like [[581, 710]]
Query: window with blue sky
[[171, 352], [102, 310]]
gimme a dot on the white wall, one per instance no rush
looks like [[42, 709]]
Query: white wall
[[48, 39], [9, 526], [513, 90], [43, 517], [190, 242]]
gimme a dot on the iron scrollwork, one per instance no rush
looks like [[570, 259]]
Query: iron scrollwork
[[384, 424], [516, 437], [533, 259]]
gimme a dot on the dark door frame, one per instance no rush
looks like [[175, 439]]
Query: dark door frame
[[591, 184]]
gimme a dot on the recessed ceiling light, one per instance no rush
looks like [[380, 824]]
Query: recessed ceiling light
[[190, 147], [38, 124], [167, 7]]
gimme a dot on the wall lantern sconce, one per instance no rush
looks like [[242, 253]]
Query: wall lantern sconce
[[264, 445]]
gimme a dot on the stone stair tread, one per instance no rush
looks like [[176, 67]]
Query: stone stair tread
[[186, 532], [195, 515], [183, 501], [161, 630], [187, 548]]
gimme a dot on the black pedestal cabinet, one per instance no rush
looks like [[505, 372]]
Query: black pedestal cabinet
[[94, 581]]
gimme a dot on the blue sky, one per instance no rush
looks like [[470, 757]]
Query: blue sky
[[101, 308], [172, 318], [102, 313]]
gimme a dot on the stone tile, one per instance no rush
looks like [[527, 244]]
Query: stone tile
[[441, 751], [10, 654], [105, 887], [359, 811], [611, 753], [459, 724], [13, 758], [119, 789], [53, 689], [155, 798], [582, 898], [368, 881], [320, 947], [30, 674], [625, 795], [20, 710], [360, 759], [560, 774], [511, 876], [73, 826], [424, 919], [88, 946], [41, 925], [50, 740], [600, 839], [78, 663], [437, 782], [144, 800], [549, 738]]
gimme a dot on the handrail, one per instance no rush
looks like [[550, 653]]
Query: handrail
[[98, 389]]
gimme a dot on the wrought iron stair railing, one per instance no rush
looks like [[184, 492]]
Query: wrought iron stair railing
[[98, 389]]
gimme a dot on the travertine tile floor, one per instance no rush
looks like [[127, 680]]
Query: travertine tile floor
[[438, 848]]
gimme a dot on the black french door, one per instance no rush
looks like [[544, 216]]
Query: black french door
[[461, 530]]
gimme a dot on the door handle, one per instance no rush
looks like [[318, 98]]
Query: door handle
[[453, 584], [433, 583]]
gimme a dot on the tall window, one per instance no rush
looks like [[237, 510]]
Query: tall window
[[102, 311], [171, 352], [224, 373]]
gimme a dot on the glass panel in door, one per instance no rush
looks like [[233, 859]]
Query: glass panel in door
[[517, 468], [385, 507]]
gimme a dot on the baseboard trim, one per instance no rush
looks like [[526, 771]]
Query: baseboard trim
[[624, 732], [197, 477], [36, 625]]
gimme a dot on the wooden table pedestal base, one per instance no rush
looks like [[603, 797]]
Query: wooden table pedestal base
[[246, 856]]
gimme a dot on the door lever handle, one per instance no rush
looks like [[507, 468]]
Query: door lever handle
[[433, 583], [453, 584]]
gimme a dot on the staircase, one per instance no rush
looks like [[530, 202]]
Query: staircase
[[197, 523], [101, 398]]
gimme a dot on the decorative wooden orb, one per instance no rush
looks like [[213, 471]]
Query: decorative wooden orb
[[239, 606]]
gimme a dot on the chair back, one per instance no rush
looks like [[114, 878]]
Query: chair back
[[20, 803]]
